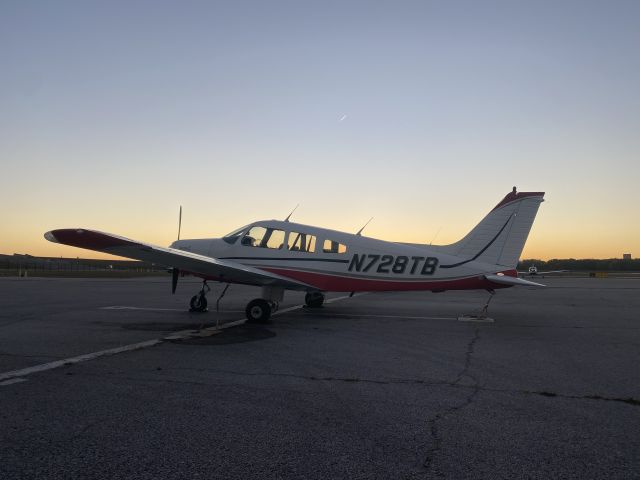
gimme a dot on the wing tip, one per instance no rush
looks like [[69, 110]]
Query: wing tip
[[50, 236], [89, 239]]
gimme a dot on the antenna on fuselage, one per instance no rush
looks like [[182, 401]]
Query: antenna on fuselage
[[289, 216], [360, 231], [435, 236]]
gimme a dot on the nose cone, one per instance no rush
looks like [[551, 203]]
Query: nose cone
[[180, 245], [217, 247], [200, 246]]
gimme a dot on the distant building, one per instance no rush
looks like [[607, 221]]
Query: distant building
[[626, 256]]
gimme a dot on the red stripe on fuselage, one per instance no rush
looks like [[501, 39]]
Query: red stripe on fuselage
[[513, 196], [335, 283]]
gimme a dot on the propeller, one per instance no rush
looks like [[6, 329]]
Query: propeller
[[175, 273]]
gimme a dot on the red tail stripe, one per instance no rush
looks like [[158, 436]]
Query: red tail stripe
[[333, 283]]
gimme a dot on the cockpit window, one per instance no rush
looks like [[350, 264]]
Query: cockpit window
[[301, 242], [234, 236], [264, 238], [331, 246]]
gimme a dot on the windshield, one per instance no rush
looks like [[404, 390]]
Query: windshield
[[234, 236]]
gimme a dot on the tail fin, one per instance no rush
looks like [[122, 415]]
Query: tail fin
[[500, 237]]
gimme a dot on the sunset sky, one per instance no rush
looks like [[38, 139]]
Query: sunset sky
[[421, 114]]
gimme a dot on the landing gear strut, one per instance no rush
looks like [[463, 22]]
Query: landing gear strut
[[199, 301], [481, 316], [221, 296], [483, 310], [314, 299]]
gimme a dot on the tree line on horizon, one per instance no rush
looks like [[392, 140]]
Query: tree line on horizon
[[53, 263], [30, 262], [586, 264]]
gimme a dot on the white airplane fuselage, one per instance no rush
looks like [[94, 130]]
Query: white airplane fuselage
[[360, 264]]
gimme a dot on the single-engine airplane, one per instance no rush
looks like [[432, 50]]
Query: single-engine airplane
[[533, 271], [281, 255]]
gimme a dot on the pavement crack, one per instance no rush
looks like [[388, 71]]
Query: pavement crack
[[545, 393], [467, 358], [316, 378], [628, 400], [474, 388]]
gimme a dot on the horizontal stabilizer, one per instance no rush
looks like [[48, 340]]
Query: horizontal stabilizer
[[506, 280]]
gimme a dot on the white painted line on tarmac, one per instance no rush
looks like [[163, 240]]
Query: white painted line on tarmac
[[471, 318], [12, 381], [331, 300], [124, 307], [151, 309], [8, 376], [244, 320], [364, 315], [79, 359]]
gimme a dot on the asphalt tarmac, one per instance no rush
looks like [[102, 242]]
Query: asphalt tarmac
[[384, 385]]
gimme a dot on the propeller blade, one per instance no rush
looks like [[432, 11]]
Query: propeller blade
[[179, 222], [175, 273]]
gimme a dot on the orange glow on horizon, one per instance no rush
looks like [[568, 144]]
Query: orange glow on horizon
[[541, 244]]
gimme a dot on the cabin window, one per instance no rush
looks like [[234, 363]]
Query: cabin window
[[264, 238], [301, 242], [331, 246]]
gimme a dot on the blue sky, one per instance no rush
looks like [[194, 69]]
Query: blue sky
[[421, 114]]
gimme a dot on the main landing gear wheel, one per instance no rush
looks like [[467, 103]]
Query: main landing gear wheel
[[258, 311], [314, 299]]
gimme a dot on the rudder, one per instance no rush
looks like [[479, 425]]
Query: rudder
[[500, 237]]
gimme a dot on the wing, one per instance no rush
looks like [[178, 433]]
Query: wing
[[507, 280], [200, 265]]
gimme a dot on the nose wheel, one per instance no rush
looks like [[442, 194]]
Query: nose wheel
[[198, 302]]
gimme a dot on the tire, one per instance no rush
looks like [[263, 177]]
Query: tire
[[314, 299], [258, 311], [198, 303]]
